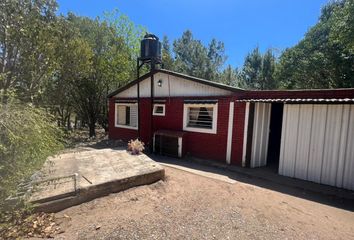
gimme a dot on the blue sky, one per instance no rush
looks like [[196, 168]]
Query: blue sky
[[241, 25]]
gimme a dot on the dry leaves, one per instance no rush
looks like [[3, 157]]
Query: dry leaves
[[36, 225]]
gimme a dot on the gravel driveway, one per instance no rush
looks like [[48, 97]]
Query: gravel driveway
[[190, 206]]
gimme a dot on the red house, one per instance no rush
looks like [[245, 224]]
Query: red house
[[306, 134]]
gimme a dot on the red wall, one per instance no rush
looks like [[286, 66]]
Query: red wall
[[210, 146], [118, 133], [237, 133], [203, 145]]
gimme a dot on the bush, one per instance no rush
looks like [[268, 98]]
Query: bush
[[28, 135], [135, 147]]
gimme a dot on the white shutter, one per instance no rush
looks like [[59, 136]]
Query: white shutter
[[133, 115]]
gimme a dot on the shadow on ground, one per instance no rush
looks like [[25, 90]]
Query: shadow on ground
[[266, 178], [261, 177]]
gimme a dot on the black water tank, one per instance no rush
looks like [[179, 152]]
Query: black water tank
[[150, 48]]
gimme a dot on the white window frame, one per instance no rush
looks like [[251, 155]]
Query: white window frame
[[213, 130], [155, 107], [115, 116]]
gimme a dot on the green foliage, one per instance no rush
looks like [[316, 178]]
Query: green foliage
[[167, 58], [195, 59], [126, 30], [232, 77], [258, 70], [26, 47], [27, 138], [74, 59], [342, 25], [108, 50], [43, 56], [324, 58]]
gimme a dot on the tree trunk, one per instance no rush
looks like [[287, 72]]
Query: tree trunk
[[68, 123], [92, 130], [75, 125]]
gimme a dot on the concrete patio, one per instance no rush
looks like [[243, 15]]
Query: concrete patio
[[83, 174]]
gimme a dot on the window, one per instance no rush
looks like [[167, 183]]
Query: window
[[200, 118], [159, 110], [126, 115]]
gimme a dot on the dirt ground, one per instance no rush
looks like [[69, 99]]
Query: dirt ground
[[189, 206]]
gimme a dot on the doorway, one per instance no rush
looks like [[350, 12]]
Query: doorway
[[275, 128]]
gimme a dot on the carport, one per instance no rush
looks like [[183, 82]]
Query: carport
[[305, 138]]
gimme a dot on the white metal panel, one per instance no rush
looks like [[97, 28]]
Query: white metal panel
[[172, 86], [318, 143], [128, 93], [289, 143], [260, 134], [343, 143], [282, 141], [303, 141], [348, 176], [331, 145]]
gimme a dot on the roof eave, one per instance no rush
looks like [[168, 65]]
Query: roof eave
[[130, 84], [191, 78]]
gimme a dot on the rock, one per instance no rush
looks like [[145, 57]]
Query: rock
[[48, 229]]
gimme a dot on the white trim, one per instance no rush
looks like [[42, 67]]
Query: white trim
[[245, 132], [229, 133], [158, 105], [115, 116], [213, 130], [179, 147]]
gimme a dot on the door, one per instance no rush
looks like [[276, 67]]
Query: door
[[317, 143], [260, 134], [274, 141]]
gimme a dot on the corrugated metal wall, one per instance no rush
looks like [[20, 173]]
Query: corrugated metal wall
[[318, 143], [260, 134]]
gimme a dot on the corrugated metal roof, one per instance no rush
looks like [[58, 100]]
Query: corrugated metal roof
[[297, 100]]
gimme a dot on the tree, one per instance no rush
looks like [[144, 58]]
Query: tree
[[74, 65], [216, 58], [258, 70], [130, 34], [342, 22], [27, 138], [112, 65], [167, 58], [26, 47], [268, 80], [252, 69], [324, 58], [232, 77], [193, 58]]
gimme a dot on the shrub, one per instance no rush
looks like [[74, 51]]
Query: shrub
[[135, 147], [28, 135]]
